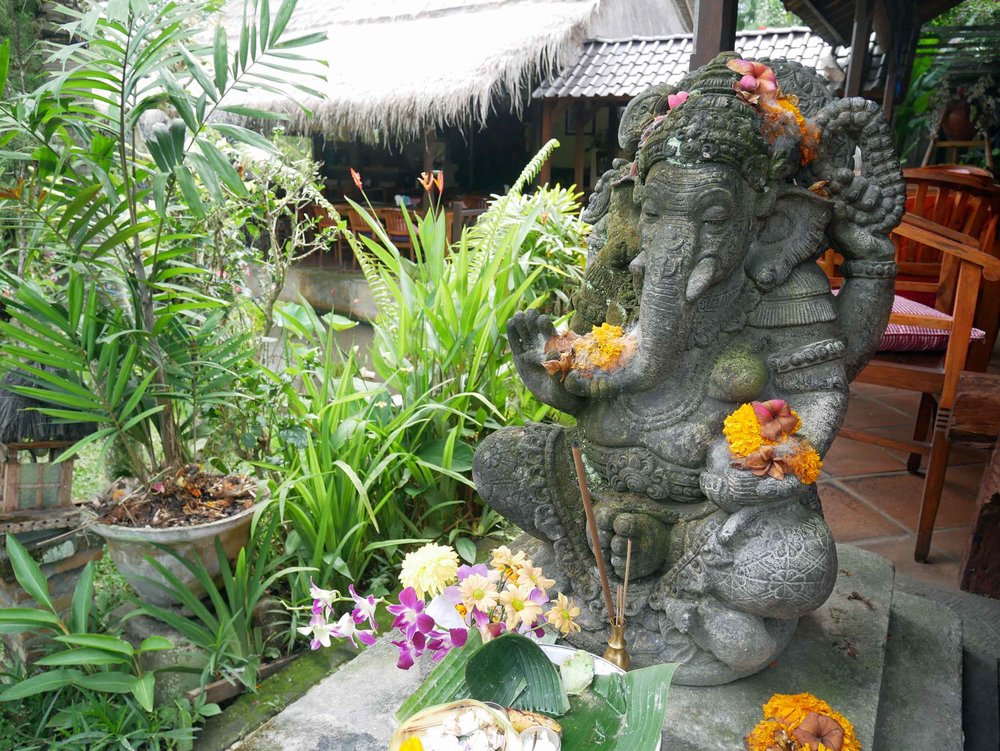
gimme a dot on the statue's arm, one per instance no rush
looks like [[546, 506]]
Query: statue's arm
[[865, 299], [528, 331]]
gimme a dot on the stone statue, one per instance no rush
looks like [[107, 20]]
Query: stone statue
[[705, 244]]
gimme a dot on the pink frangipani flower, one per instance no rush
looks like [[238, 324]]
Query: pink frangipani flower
[[756, 80], [676, 100]]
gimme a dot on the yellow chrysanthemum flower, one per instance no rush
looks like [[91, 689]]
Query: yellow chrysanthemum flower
[[742, 430], [562, 615], [503, 558], [429, 569], [604, 347]]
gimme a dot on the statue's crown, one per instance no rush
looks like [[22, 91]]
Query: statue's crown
[[713, 125]]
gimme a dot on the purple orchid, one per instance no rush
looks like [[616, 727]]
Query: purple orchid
[[364, 608], [346, 628], [465, 571], [442, 642], [320, 631], [410, 618], [444, 609]]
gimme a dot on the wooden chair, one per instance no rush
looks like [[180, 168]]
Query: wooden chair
[[962, 203], [325, 221], [966, 262], [395, 227]]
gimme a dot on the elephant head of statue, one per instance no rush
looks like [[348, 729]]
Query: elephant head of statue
[[737, 184]]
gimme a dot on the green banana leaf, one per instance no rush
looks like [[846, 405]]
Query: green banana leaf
[[617, 713]]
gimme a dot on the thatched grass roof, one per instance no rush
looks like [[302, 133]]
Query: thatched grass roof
[[398, 67], [20, 421]]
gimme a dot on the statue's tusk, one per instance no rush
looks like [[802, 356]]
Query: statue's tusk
[[700, 278]]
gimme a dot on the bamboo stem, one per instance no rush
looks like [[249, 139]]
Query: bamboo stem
[[588, 509]]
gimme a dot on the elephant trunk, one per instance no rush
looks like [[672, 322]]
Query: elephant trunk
[[665, 318]]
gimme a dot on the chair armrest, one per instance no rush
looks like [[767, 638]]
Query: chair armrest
[[934, 239]]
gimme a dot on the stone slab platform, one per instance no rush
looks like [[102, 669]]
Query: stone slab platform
[[921, 700], [837, 653]]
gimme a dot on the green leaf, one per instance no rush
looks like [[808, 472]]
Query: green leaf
[[194, 67], [466, 548], [15, 620], [281, 19], [513, 671], [435, 453], [50, 680], [4, 63], [252, 113], [104, 642], [446, 682], [189, 190], [83, 597], [82, 656], [27, 572], [647, 691], [155, 644], [142, 690], [221, 55], [223, 167], [113, 682]]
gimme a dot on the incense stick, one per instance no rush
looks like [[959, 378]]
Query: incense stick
[[628, 567], [588, 509]]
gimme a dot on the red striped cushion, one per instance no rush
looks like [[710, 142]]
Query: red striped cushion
[[900, 338]]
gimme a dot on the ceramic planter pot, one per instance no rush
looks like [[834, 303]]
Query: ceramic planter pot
[[130, 546], [956, 122]]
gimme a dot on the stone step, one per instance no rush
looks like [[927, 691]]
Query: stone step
[[837, 654], [920, 705]]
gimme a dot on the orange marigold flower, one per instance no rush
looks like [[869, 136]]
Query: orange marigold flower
[[806, 464], [808, 720]]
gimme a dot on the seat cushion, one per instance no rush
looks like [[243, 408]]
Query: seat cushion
[[902, 338]]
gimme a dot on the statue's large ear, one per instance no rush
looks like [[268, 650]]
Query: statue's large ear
[[792, 231], [639, 113]]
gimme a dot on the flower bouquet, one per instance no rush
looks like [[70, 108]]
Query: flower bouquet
[[497, 685]]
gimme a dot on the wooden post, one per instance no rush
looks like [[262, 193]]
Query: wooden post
[[714, 30], [545, 174], [860, 36], [429, 142], [578, 146]]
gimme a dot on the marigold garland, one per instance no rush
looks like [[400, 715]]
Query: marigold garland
[[783, 728], [745, 433]]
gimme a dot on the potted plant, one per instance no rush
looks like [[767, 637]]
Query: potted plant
[[124, 174]]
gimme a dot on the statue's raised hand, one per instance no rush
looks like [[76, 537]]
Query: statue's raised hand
[[528, 331], [869, 204]]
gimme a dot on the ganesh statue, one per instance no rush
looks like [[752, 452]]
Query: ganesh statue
[[707, 364]]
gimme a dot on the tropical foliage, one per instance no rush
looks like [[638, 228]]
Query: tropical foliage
[[125, 167]]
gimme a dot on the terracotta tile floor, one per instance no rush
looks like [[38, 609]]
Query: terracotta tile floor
[[871, 501]]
